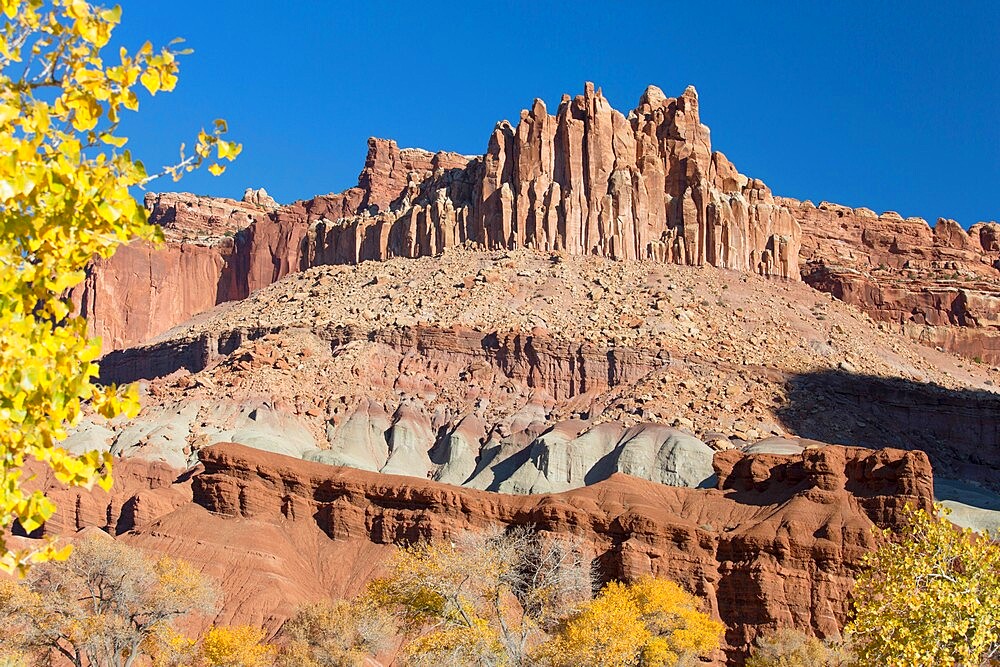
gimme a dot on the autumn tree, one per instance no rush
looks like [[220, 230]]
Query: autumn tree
[[64, 200], [340, 633], [929, 596], [103, 605], [239, 646], [649, 623], [786, 647], [482, 599]]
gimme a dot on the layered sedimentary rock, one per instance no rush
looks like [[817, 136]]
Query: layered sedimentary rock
[[585, 181], [778, 541], [590, 180], [939, 285], [516, 413]]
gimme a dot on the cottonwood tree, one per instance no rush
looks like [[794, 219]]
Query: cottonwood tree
[[929, 595], [239, 646], [340, 633], [64, 200], [649, 623], [102, 606], [482, 599]]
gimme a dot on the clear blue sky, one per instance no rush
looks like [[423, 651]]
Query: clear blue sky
[[889, 105]]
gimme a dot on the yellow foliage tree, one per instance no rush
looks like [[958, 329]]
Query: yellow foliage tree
[[650, 623], [334, 634], [929, 596], [64, 199], [103, 606], [240, 646], [483, 599]]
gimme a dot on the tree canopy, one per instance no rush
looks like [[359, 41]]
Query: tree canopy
[[521, 598], [649, 623], [65, 179], [929, 596], [106, 605]]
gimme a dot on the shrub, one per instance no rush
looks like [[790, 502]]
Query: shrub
[[786, 647]]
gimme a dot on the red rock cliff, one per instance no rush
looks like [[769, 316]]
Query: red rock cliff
[[588, 180], [938, 285]]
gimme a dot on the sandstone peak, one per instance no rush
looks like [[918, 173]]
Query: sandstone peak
[[653, 96], [259, 197]]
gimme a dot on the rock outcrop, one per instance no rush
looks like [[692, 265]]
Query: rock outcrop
[[778, 541], [585, 181], [938, 285], [591, 181]]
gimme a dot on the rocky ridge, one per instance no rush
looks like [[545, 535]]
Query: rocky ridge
[[587, 180], [777, 540], [939, 285]]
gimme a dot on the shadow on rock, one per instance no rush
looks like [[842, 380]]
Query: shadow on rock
[[959, 429]]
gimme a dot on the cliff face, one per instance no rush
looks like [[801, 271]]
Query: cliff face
[[591, 181], [779, 540], [939, 285], [586, 181]]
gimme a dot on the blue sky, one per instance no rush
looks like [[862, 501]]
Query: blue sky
[[889, 105]]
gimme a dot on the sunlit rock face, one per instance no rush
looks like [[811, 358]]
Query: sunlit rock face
[[588, 180]]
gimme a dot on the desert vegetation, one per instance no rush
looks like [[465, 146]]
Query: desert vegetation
[[497, 598]]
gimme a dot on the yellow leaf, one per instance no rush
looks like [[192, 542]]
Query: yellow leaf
[[228, 149], [77, 9], [216, 169], [151, 80], [8, 113], [114, 141]]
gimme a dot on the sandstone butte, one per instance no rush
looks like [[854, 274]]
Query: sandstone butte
[[599, 326]]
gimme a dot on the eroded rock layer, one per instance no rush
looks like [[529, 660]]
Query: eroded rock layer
[[778, 541], [939, 285], [511, 372]]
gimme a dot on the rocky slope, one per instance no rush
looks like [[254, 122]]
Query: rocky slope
[[529, 372], [776, 541]]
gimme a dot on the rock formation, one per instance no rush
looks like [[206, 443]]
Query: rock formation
[[545, 339], [777, 541], [591, 181], [587, 181], [938, 285]]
